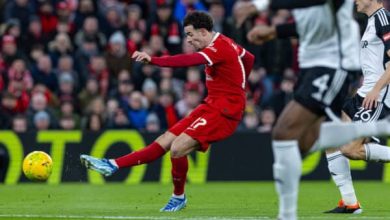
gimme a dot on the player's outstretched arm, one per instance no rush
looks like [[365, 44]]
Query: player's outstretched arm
[[180, 60], [141, 57]]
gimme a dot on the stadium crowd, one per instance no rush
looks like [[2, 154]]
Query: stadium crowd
[[65, 64]]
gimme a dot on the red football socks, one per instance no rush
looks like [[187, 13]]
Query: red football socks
[[179, 174], [145, 155]]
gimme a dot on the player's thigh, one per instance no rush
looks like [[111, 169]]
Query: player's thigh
[[210, 127], [183, 145], [310, 135], [293, 121], [165, 140]]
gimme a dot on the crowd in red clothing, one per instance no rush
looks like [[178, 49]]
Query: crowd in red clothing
[[65, 64]]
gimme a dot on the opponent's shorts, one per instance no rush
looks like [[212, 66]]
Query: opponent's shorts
[[206, 125], [321, 90], [353, 108]]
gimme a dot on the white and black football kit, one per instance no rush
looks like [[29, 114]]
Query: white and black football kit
[[328, 51], [373, 56]]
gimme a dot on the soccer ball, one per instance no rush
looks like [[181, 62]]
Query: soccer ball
[[37, 166]]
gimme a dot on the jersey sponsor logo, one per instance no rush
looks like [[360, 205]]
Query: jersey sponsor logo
[[386, 37], [364, 44], [198, 122]]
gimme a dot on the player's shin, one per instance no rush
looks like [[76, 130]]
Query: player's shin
[[287, 172], [377, 152], [340, 133], [145, 155], [179, 175], [340, 171]]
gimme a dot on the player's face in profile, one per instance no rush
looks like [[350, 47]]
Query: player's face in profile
[[362, 5], [194, 37]]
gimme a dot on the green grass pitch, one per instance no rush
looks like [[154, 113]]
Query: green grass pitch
[[222, 200]]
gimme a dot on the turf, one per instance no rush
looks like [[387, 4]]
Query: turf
[[232, 200]]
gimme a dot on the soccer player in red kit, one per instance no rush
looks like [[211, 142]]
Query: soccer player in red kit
[[227, 68]]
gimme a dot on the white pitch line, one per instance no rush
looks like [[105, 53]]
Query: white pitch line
[[124, 217], [172, 217]]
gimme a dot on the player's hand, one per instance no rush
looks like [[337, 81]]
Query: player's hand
[[260, 34], [242, 10], [141, 57], [371, 99]]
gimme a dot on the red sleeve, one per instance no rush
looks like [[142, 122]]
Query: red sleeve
[[181, 60], [248, 60]]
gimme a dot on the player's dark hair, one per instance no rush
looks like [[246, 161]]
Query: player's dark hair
[[199, 19]]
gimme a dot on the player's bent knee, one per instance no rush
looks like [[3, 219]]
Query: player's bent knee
[[176, 152], [165, 140]]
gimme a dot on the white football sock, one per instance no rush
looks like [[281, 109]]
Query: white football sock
[[340, 133], [178, 196], [112, 161], [340, 171], [377, 152], [287, 172]]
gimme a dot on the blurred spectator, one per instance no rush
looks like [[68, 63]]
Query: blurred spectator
[[10, 51], [221, 24], [94, 123], [150, 91], [7, 110], [87, 50], [166, 110], [165, 26], [19, 72], [250, 122], [22, 97], [86, 8], [97, 106], [134, 19], [21, 10], [114, 20], [194, 81], [177, 84], [152, 123], [280, 99], [34, 36], [182, 7], [67, 109], [39, 104], [277, 55], [12, 27], [267, 120], [66, 89], [117, 57], [90, 92], [90, 31], [137, 112], [260, 87], [123, 89], [119, 120], [19, 124], [192, 98], [98, 69], [41, 121], [65, 65], [65, 18], [43, 73], [67, 123], [48, 19], [135, 41], [60, 46]]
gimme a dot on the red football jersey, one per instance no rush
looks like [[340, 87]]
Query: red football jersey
[[225, 76]]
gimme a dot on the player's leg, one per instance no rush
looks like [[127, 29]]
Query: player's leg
[[146, 155], [290, 127], [340, 172], [181, 147]]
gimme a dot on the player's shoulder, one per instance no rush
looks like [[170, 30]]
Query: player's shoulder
[[382, 17], [224, 43]]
